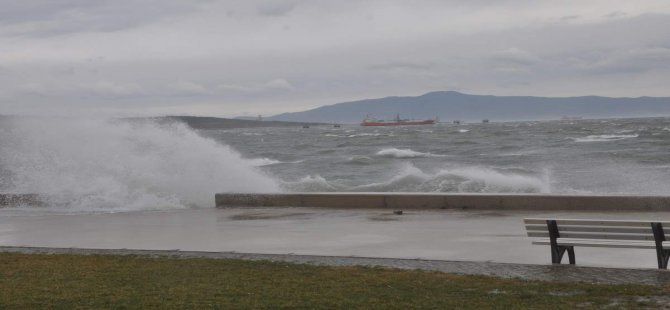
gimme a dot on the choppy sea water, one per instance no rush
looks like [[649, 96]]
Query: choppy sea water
[[621, 156], [114, 165]]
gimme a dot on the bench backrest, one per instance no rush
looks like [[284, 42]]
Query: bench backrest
[[596, 229]]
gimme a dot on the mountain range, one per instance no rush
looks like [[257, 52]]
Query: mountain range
[[451, 105]]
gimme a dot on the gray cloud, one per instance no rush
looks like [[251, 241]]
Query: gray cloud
[[616, 14], [570, 17], [53, 17], [98, 89], [402, 66], [513, 57], [276, 7], [188, 88], [263, 57], [634, 60], [278, 84]]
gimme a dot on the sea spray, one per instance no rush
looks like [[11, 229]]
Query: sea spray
[[113, 165]]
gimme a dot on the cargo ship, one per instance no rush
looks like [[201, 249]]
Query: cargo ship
[[397, 121]]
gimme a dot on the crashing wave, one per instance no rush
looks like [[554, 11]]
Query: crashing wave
[[313, 184], [404, 153], [359, 160], [100, 165], [259, 162], [456, 180], [366, 134], [604, 138]]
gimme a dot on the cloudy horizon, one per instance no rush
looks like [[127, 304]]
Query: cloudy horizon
[[242, 58]]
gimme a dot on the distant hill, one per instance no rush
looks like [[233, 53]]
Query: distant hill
[[197, 122], [451, 105]]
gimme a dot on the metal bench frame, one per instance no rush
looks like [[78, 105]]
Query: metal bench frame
[[599, 233]]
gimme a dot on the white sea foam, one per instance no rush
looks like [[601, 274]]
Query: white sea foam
[[404, 153], [604, 138], [463, 130], [366, 134], [314, 183], [461, 180], [101, 165], [259, 162], [359, 160]]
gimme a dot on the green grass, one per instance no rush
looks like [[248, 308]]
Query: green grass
[[106, 281]]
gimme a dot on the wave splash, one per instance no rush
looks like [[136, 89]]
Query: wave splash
[[604, 138], [457, 180], [111, 165], [404, 153]]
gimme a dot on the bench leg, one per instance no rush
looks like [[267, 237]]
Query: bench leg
[[661, 254], [557, 253], [571, 255], [663, 257]]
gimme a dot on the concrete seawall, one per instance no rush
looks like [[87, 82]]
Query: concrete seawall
[[13, 200], [402, 201]]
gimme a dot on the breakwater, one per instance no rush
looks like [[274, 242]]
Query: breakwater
[[378, 200], [400, 201], [14, 200]]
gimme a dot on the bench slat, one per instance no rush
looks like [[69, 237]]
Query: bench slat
[[607, 229], [595, 222], [584, 235], [601, 243]]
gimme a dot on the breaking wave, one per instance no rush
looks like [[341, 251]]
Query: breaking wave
[[604, 138], [367, 134], [404, 153], [102, 165], [360, 160], [260, 162], [457, 180]]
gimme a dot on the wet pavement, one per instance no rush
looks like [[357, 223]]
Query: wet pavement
[[481, 242]]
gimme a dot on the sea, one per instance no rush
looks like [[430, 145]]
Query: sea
[[111, 165]]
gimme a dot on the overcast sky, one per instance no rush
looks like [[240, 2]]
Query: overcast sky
[[231, 58]]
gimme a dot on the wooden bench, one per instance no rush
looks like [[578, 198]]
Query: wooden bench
[[563, 235]]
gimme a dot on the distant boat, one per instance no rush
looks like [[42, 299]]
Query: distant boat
[[337, 125], [397, 121], [457, 122], [305, 126], [485, 121]]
